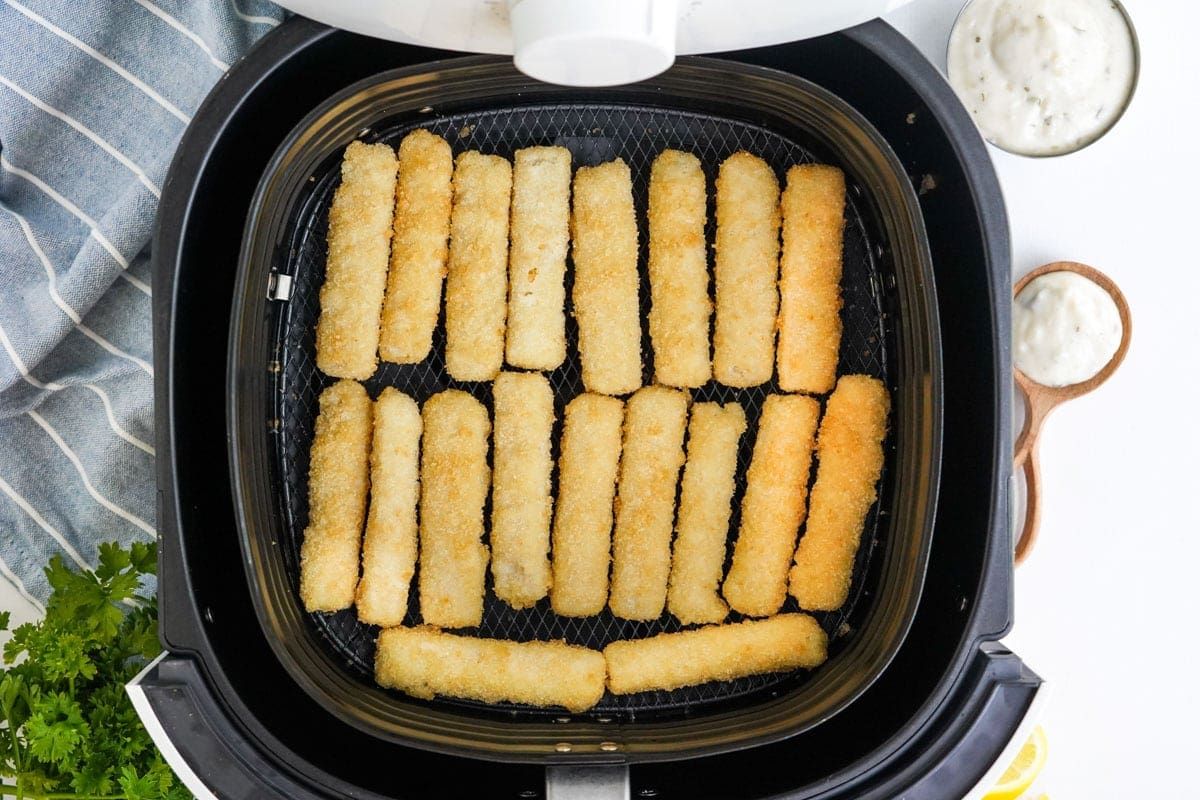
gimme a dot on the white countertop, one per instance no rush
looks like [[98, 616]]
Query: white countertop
[[1106, 600]]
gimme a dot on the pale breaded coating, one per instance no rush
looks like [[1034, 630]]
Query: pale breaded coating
[[655, 422], [705, 501], [454, 486], [715, 653], [773, 506], [356, 267], [746, 270], [583, 515], [605, 255], [520, 537], [849, 461], [537, 258], [419, 248], [810, 278], [389, 553], [679, 304], [338, 479], [477, 271], [425, 662]]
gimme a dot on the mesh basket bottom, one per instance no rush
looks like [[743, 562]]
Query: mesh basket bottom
[[593, 134]]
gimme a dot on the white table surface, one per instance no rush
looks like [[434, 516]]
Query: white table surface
[[1107, 602]]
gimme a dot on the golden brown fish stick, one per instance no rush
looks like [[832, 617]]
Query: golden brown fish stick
[[454, 486], [746, 270], [680, 308], [715, 653], [810, 275], [849, 460], [477, 273], [524, 417], [337, 498], [773, 506], [605, 254], [389, 554], [655, 420], [425, 662], [583, 517], [421, 230], [360, 229], [704, 508], [537, 259]]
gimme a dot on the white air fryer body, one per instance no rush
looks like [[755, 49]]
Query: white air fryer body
[[592, 42]]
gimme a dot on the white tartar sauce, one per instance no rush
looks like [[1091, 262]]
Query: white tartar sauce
[[1042, 77], [1065, 329]]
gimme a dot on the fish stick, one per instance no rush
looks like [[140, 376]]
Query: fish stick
[[524, 416], [605, 254], [360, 230], [810, 275], [704, 508], [454, 486], [477, 272], [849, 461], [424, 662], [679, 304], [715, 653], [746, 269], [537, 259], [389, 555], [655, 420], [421, 229], [583, 516], [773, 506], [338, 479]]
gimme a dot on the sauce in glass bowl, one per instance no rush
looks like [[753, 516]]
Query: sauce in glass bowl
[[1043, 77]]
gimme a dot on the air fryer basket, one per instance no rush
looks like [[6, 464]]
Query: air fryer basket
[[890, 331], [595, 133]]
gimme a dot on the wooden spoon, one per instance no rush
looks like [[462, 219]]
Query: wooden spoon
[[1040, 399]]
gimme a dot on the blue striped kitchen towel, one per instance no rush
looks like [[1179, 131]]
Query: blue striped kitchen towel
[[94, 95]]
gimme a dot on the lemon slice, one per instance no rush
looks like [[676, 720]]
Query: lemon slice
[[1023, 770]]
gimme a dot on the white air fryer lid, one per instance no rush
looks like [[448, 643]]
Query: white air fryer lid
[[592, 42]]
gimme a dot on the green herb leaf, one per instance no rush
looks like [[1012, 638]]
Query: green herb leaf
[[68, 728], [144, 557]]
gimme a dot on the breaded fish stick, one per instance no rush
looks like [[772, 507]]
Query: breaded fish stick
[[425, 662], [360, 229], [454, 486], [810, 275], [746, 270], [715, 653], [773, 506], [421, 230], [704, 507], [389, 555], [679, 304], [849, 461], [477, 273], [605, 254], [583, 517], [337, 498], [524, 417], [537, 259], [655, 420]]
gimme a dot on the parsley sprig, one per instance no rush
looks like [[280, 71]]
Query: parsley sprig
[[68, 730]]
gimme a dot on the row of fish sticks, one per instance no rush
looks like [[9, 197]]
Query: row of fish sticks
[[616, 537], [497, 234], [615, 515]]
